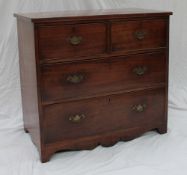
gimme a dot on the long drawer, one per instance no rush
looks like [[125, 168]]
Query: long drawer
[[94, 78], [95, 116]]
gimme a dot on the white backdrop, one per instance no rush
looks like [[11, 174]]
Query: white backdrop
[[10, 99], [10, 106]]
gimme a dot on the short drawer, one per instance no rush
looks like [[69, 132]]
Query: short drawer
[[82, 79], [71, 41], [139, 35], [74, 120]]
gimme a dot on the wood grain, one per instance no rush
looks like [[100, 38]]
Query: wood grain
[[54, 41], [103, 115], [102, 76], [58, 16], [28, 79], [124, 35], [77, 96]]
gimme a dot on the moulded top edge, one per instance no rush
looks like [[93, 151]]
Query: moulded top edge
[[89, 14]]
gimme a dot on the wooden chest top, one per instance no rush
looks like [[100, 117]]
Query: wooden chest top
[[90, 14]]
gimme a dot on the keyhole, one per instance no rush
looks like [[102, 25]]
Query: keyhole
[[73, 29], [109, 100]]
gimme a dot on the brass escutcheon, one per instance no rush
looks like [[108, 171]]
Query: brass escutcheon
[[140, 70], [140, 35], [75, 40], [139, 107], [77, 118], [75, 78]]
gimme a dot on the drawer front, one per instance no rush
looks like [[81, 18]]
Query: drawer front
[[72, 41], [101, 115], [137, 35], [77, 80]]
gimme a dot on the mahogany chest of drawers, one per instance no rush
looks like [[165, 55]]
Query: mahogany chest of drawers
[[93, 78]]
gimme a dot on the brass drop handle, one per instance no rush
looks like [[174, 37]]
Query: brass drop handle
[[77, 118], [75, 40], [140, 35], [140, 70], [139, 107], [75, 78]]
